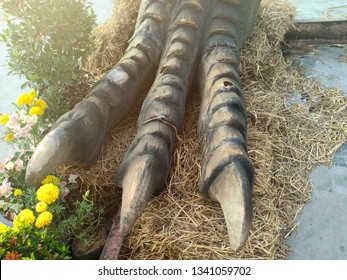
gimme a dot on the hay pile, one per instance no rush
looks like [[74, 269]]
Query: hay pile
[[112, 37], [286, 141]]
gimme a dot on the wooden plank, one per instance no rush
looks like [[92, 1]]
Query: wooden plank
[[319, 32]]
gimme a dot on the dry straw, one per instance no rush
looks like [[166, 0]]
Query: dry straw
[[286, 140]]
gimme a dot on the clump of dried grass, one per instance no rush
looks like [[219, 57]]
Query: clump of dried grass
[[285, 142], [112, 37]]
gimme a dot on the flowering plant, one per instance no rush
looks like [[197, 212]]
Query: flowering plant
[[22, 127], [35, 233], [41, 226], [44, 228], [22, 131]]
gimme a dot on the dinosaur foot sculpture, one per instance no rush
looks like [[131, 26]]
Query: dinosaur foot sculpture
[[174, 43]]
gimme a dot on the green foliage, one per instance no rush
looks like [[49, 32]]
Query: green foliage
[[29, 240], [79, 224], [48, 40], [33, 235], [29, 243]]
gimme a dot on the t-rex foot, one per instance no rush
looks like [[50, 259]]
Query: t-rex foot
[[172, 41]]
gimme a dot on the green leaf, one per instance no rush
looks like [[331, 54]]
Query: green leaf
[[3, 37], [33, 77], [23, 86]]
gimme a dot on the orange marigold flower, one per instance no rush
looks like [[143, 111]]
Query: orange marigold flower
[[13, 241], [14, 255]]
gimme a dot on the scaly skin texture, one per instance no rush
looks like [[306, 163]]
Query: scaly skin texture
[[174, 42]]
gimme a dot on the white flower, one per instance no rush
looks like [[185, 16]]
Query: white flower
[[30, 120], [16, 128], [16, 207], [9, 165], [64, 192], [4, 205], [72, 178]]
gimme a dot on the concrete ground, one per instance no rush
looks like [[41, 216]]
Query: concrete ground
[[322, 230]]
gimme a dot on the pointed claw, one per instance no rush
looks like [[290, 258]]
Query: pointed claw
[[233, 191], [48, 155], [139, 184], [59, 146]]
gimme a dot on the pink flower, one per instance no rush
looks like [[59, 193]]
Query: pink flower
[[2, 167], [14, 123], [13, 120], [64, 192], [63, 183], [24, 132], [5, 189], [16, 128], [18, 164]]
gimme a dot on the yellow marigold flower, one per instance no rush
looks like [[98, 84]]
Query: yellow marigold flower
[[25, 218], [9, 137], [17, 192], [41, 207], [33, 93], [48, 193], [4, 228], [51, 179], [20, 100], [4, 119], [25, 98], [44, 219], [36, 111], [41, 104]]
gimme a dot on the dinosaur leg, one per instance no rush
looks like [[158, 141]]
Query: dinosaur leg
[[146, 165], [78, 135], [227, 173]]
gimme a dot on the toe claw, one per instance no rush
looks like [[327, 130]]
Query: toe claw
[[233, 191], [140, 183], [59, 146]]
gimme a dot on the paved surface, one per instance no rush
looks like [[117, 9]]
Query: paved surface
[[320, 9], [322, 231]]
